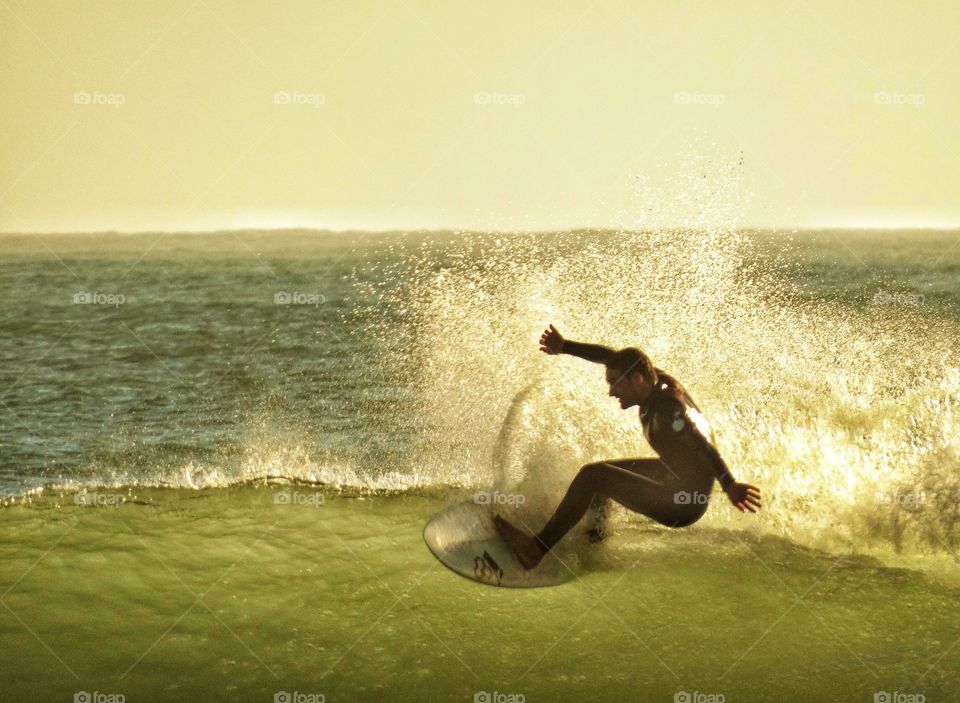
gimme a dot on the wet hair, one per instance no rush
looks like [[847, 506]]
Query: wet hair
[[631, 359]]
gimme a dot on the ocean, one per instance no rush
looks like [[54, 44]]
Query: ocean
[[218, 452]]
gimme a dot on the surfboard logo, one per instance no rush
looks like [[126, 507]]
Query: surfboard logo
[[486, 568]]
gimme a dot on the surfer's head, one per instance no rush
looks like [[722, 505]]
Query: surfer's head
[[631, 376]]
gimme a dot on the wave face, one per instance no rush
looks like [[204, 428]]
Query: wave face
[[825, 361]]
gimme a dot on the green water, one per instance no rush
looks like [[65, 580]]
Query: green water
[[225, 595]]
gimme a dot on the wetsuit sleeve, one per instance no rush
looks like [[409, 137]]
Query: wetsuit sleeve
[[719, 466], [691, 441], [596, 353]]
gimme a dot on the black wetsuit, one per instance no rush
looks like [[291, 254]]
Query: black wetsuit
[[673, 433], [673, 489]]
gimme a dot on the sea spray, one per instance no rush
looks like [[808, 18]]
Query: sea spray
[[830, 408]]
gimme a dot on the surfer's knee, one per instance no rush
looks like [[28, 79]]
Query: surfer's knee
[[591, 475]]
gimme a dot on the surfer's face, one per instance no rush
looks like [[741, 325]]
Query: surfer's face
[[630, 389]]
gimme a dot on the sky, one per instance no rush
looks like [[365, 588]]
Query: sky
[[213, 114]]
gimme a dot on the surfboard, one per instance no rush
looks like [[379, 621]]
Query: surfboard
[[465, 540]]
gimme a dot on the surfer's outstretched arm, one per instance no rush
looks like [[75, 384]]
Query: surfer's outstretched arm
[[596, 353], [552, 342]]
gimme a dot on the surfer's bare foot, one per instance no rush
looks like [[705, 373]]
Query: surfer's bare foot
[[523, 545]]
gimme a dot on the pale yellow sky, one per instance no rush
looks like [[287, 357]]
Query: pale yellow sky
[[212, 114]]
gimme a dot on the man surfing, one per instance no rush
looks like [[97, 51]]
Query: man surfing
[[672, 489]]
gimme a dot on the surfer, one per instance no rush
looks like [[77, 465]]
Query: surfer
[[672, 489]]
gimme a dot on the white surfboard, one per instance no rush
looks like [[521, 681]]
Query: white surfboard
[[464, 538]]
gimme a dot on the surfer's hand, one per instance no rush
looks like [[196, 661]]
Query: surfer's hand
[[744, 496], [551, 341]]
